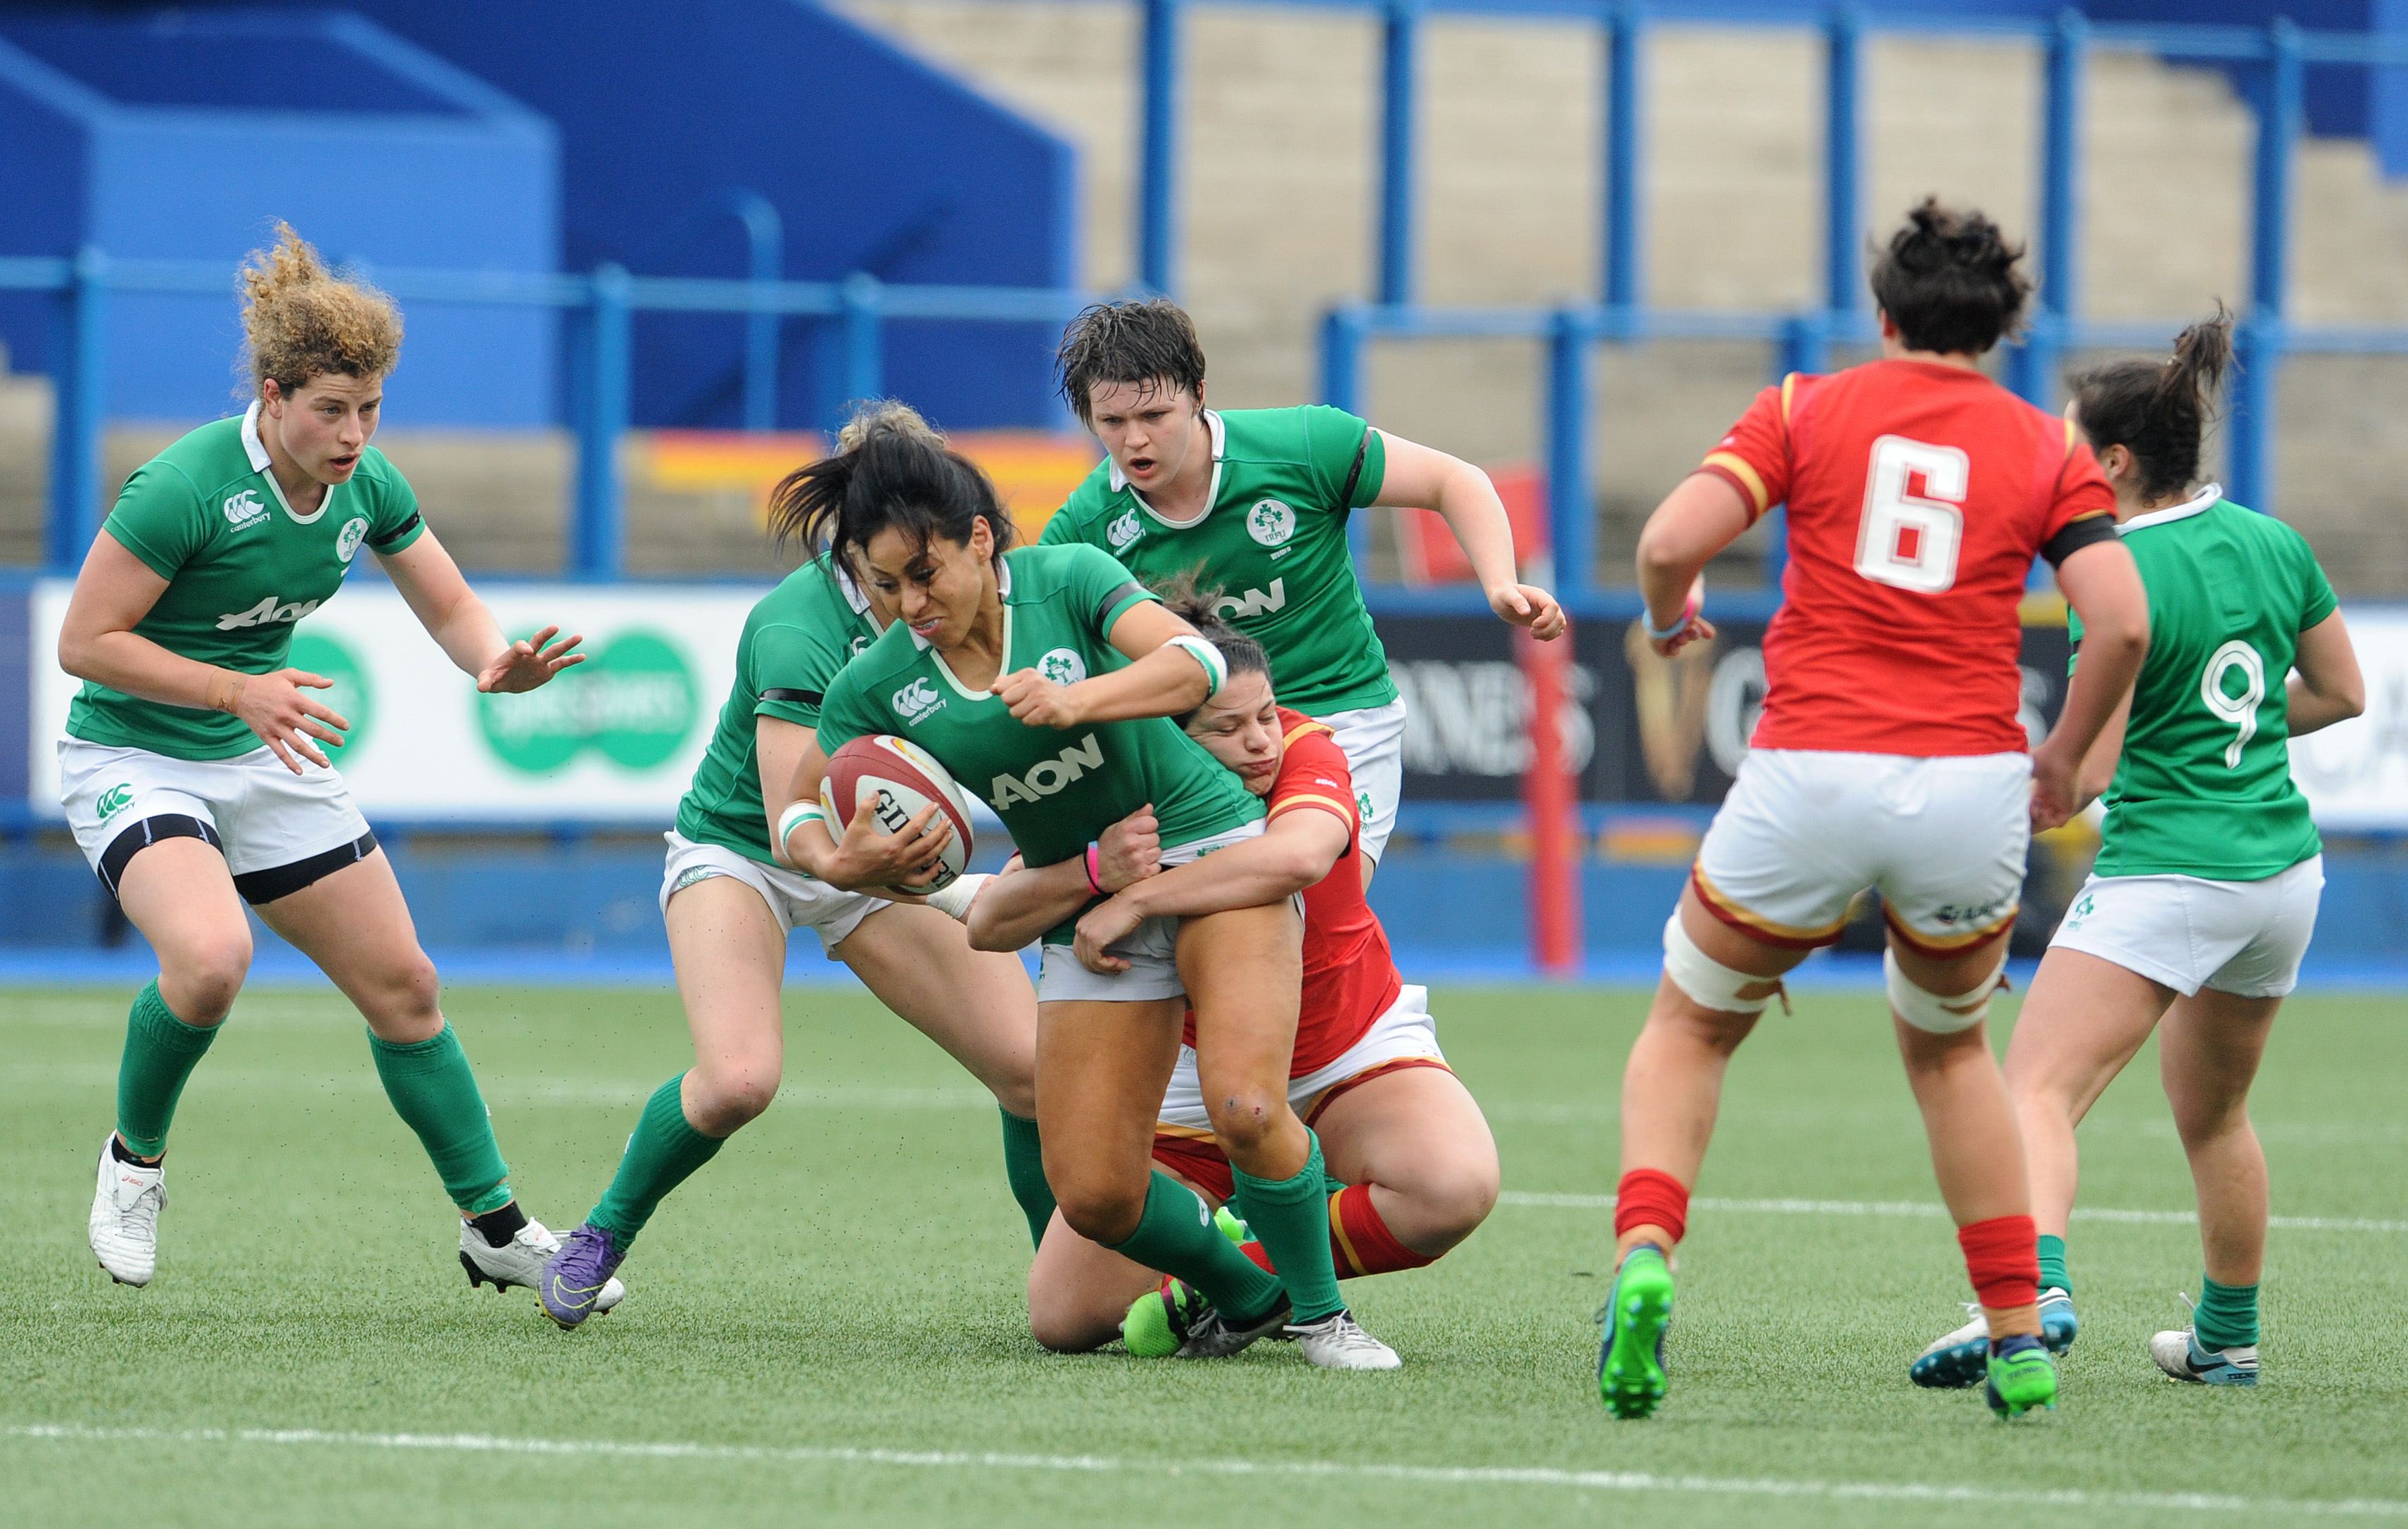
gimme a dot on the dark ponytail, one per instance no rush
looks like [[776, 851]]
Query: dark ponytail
[[892, 471], [1199, 609], [1949, 280], [2158, 411]]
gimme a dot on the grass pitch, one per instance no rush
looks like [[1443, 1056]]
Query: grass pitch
[[828, 1324]]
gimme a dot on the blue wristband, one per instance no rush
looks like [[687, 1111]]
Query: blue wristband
[[1647, 622]]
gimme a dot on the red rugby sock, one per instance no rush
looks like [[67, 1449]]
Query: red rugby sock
[[1360, 1242], [1651, 1197], [2003, 1257]]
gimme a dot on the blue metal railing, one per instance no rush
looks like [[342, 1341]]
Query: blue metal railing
[[602, 308]]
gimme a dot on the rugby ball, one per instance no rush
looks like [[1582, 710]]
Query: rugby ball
[[895, 780]]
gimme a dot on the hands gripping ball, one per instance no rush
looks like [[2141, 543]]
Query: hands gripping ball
[[897, 780]]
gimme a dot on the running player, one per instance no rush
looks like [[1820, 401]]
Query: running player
[[192, 771], [1888, 755], [2199, 905], [1415, 1168], [732, 893], [1043, 679], [1255, 501]]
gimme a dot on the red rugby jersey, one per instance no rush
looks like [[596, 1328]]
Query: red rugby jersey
[[1919, 495], [1350, 978]]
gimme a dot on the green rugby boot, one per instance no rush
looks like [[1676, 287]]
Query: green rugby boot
[[1631, 1360], [1157, 1322], [2022, 1378]]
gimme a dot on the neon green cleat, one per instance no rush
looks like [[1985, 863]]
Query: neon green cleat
[[1235, 1230], [1157, 1322], [1630, 1362], [2022, 1378]]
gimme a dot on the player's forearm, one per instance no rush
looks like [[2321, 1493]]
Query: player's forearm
[[1701, 516], [2111, 661], [134, 665], [1167, 681], [1246, 875], [1468, 504], [468, 635], [2309, 709], [1013, 909]]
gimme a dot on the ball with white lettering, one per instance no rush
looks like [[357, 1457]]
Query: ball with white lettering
[[895, 780]]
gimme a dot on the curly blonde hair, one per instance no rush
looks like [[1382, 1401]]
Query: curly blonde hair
[[300, 320]]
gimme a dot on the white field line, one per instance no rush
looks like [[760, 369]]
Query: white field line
[[1917, 1208], [1478, 1476]]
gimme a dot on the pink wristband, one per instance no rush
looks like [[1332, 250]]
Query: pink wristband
[[1094, 869]]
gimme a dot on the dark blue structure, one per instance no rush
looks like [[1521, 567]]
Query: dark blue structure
[[183, 137], [872, 161]]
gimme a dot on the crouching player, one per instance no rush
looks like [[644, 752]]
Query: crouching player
[[2199, 905], [1889, 754], [1412, 1167]]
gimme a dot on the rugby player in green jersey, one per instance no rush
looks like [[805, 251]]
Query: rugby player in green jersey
[[2205, 893], [192, 770], [1044, 679], [1253, 502], [733, 893]]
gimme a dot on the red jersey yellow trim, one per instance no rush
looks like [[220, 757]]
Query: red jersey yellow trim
[[1788, 385], [1306, 729], [1343, 809], [1735, 467]]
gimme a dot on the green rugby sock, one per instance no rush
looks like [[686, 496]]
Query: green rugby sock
[[161, 1052], [2225, 1315], [664, 1153], [434, 1090], [1290, 1217], [1023, 1166], [2052, 1264], [1176, 1234]]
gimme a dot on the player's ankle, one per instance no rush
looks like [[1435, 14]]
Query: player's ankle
[[2013, 1322], [1644, 1237]]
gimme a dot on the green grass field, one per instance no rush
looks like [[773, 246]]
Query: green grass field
[[828, 1324]]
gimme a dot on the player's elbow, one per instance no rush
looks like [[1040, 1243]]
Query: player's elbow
[[1301, 865], [988, 933], [1660, 554], [75, 652]]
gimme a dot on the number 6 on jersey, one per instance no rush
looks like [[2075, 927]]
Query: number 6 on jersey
[[1910, 541]]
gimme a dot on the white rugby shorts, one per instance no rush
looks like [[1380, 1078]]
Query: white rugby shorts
[[1374, 741], [1151, 948], [1405, 1033], [1804, 830], [794, 899], [2245, 938], [278, 832]]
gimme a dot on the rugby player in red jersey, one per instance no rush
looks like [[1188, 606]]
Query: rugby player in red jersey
[[1888, 755], [1412, 1165]]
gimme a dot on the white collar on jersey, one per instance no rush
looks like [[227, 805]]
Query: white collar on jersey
[[1002, 587], [262, 463], [2197, 503], [1220, 444], [852, 595]]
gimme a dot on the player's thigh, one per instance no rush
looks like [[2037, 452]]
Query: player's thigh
[[2208, 1053], [1416, 1131], [1782, 859], [729, 952], [2080, 1025], [1242, 970], [179, 894], [975, 1004], [353, 923], [1101, 1069], [1079, 1291]]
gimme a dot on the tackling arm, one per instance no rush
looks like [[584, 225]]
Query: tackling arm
[[1295, 851]]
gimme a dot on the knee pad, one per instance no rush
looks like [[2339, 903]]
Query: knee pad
[[1937, 1013], [1706, 980]]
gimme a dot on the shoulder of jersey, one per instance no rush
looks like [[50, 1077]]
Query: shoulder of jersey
[[1040, 572], [210, 458], [1265, 435]]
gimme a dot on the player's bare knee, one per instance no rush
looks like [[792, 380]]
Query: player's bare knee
[[1063, 1324], [729, 1096], [1455, 1202], [200, 979], [1246, 1121], [1105, 1211]]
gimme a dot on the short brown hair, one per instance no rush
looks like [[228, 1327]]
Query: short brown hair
[[1150, 342], [300, 320], [1948, 281]]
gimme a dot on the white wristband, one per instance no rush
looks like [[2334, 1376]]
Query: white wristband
[[794, 816], [1216, 668], [955, 900]]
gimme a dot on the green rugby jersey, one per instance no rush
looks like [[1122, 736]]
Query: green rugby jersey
[[208, 515], [2204, 787], [1273, 542], [794, 642], [1055, 789]]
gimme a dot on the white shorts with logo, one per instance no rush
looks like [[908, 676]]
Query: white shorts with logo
[[1374, 741], [1405, 1033], [2245, 938], [1151, 948], [794, 899], [1803, 832], [278, 832]]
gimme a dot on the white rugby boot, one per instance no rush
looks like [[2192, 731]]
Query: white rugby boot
[[1338, 1342], [2183, 1358], [125, 1207], [521, 1262]]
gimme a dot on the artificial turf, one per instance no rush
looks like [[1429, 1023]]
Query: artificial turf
[[848, 1277]]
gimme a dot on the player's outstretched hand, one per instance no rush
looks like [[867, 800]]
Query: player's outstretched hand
[[1527, 605], [1129, 851], [1037, 701], [2055, 792], [1102, 925], [905, 860], [273, 706], [527, 663]]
